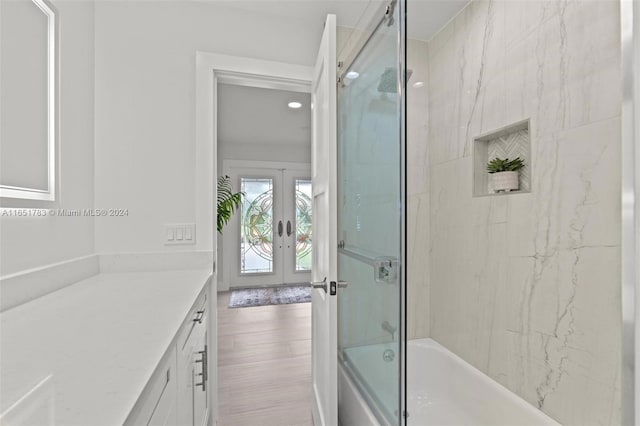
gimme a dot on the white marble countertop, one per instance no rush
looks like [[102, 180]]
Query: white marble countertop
[[100, 338]]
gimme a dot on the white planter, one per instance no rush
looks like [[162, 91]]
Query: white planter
[[505, 181]]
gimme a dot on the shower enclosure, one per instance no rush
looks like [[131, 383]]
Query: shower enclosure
[[465, 302], [371, 217]]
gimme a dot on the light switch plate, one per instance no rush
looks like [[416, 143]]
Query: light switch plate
[[180, 233]]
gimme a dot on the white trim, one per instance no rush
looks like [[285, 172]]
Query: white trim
[[49, 194], [212, 68], [248, 164], [24, 286]]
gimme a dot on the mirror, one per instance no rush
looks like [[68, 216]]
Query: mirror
[[28, 100]]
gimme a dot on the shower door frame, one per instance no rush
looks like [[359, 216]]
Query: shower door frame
[[344, 63], [630, 43]]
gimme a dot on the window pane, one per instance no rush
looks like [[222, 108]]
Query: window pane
[[256, 227], [303, 224]]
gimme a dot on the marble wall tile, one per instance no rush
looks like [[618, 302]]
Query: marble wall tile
[[526, 286], [418, 266], [418, 203]]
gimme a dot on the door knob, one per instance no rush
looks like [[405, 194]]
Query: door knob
[[319, 284]]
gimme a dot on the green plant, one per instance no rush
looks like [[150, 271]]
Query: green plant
[[504, 165], [228, 201]]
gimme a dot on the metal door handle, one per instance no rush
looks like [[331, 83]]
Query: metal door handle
[[280, 228], [203, 360], [342, 284], [319, 284], [198, 318], [288, 228]]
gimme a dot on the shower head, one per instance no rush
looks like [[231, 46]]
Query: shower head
[[389, 80]]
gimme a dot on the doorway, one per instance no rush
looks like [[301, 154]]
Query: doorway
[[269, 241], [264, 146]]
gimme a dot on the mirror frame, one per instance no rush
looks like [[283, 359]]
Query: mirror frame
[[25, 193]]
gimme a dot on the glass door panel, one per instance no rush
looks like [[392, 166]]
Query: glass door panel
[[256, 226], [298, 216], [303, 224], [370, 223]]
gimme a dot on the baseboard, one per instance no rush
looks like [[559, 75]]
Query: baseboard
[[24, 286]]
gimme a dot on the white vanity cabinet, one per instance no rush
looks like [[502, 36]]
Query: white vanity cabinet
[[193, 367], [157, 404], [177, 394], [132, 333]]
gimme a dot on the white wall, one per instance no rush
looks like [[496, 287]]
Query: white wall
[[35, 241], [145, 106]]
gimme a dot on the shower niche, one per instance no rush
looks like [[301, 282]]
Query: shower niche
[[510, 142]]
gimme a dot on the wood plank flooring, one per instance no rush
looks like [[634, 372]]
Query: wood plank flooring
[[264, 365]]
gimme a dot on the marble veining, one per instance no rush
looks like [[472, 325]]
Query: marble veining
[[526, 287]]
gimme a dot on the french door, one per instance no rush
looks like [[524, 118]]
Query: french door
[[269, 239]]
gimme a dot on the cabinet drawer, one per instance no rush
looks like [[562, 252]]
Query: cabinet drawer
[[156, 405]]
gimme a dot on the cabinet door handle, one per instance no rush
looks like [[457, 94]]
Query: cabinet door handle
[[280, 228], [288, 228], [199, 316], [204, 374]]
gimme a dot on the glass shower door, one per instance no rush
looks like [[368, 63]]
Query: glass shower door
[[371, 222]]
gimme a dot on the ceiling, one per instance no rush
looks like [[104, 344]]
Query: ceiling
[[425, 17], [254, 115]]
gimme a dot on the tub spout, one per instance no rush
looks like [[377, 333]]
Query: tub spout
[[389, 329]]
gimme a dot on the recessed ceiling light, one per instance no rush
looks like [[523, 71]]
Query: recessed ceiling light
[[352, 75], [294, 105], [418, 84]]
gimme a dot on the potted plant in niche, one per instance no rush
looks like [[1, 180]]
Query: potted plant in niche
[[504, 173], [228, 201]]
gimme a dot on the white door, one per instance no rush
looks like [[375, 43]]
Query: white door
[[325, 257], [268, 241]]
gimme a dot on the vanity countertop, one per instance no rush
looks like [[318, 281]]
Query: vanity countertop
[[100, 339]]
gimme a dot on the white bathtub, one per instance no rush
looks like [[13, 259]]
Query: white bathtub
[[442, 389]]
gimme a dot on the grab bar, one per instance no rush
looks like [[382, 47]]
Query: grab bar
[[352, 254], [385, 268]]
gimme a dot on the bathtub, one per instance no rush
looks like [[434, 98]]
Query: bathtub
[[442, 389]]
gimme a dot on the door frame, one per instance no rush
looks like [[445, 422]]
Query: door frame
[[228, 166], [211, 69]]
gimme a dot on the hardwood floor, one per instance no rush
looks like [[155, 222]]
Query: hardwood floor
[[264, 365]]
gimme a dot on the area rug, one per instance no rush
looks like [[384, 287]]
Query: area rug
[[247, 297]]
